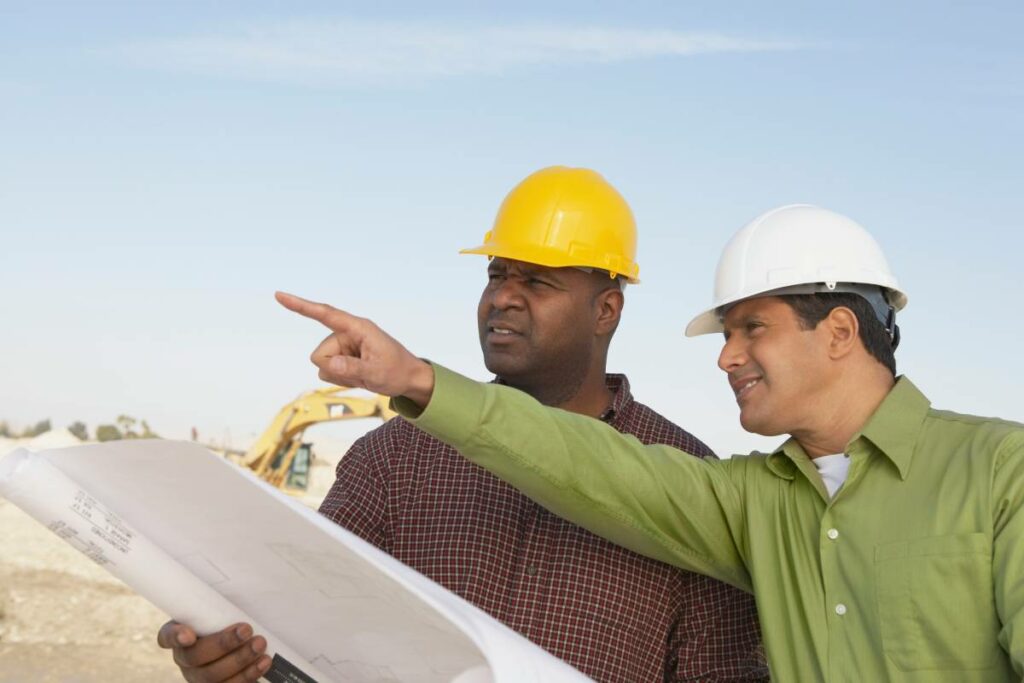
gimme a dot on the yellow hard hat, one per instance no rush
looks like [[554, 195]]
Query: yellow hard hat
[[561, 217]]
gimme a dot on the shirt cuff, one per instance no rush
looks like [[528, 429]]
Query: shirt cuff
[[455, 407]]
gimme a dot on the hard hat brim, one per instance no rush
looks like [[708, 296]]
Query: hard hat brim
[[555, 259], [705, 323]]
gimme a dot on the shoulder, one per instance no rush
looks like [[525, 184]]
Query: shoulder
[[651, 427], [975, 422], [999, 441], [993, 431], [395, 428], [395, 437], [942, 429]]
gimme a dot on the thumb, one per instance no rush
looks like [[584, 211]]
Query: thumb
[[172, 634]]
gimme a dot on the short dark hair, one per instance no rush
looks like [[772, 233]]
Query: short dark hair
[[811, 309]]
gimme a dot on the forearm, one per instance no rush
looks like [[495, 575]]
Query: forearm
[[650, 499]]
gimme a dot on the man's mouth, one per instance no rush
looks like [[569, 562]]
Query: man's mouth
[[742, 387], [502, 329], [500, 332]]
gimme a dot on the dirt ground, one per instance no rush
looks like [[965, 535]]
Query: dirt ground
[[65, 620]]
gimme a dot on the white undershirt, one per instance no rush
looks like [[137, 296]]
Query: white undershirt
[[833, 470]]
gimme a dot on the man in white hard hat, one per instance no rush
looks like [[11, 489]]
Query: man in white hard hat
[[884, 540]]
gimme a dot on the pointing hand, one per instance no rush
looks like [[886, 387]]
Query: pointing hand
[[357, 353]]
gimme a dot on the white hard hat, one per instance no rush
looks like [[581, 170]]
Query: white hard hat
[[797, 249]]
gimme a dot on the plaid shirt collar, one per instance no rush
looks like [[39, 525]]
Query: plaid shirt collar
[[622, 397]]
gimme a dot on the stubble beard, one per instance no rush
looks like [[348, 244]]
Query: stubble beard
[[553, 385]]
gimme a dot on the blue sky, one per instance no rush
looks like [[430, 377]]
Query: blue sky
[[165, 166]]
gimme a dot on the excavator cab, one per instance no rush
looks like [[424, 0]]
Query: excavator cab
[[297, 474]]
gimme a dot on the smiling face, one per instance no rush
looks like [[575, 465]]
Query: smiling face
[[540, 327], [777, 369]]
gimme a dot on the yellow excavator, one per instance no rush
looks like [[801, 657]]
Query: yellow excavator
[[280, 457]]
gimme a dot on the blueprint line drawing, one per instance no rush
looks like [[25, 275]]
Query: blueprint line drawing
[[210, 544]]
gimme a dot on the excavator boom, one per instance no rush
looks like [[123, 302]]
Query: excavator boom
[[272, 455]]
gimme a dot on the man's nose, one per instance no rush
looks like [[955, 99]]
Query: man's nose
[[733, 355], [507, 293]]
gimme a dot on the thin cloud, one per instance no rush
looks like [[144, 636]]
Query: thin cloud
[[342, 51]]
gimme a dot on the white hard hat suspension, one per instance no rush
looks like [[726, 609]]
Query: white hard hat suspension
[[874, 295]]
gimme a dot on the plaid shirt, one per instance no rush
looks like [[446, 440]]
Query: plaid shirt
[[614, 615]]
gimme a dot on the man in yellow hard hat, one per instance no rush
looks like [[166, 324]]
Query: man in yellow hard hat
[[884, 540], [561, 248]]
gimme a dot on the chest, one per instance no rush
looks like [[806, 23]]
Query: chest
[[899, 566]]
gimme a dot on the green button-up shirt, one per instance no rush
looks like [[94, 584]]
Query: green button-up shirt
[[914, 571]]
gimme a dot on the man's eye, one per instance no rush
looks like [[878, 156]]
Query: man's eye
[[534, 282], [753, 327]]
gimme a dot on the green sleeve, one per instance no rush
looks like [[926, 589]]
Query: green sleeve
[[651, 499], [1008, 546]]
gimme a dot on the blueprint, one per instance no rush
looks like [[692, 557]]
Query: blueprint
[[211, 545]]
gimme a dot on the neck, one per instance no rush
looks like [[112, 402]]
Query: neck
[[843, 413], [589, 395]]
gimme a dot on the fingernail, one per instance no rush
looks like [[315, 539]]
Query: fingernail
[[243, 632], [258, 646], [263, 664], [183, 639]]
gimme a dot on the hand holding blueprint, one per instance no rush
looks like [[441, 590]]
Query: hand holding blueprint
[[211, 545]]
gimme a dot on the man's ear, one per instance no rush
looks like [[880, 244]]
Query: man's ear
[[843, 330], [608, 304]]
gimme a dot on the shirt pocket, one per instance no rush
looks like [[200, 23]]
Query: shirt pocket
[[936, 604]]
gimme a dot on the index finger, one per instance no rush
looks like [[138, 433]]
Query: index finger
[[329, 316]]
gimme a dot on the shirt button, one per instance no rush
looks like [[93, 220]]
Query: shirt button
[[832, 533], [531, 570], [840, 609]]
